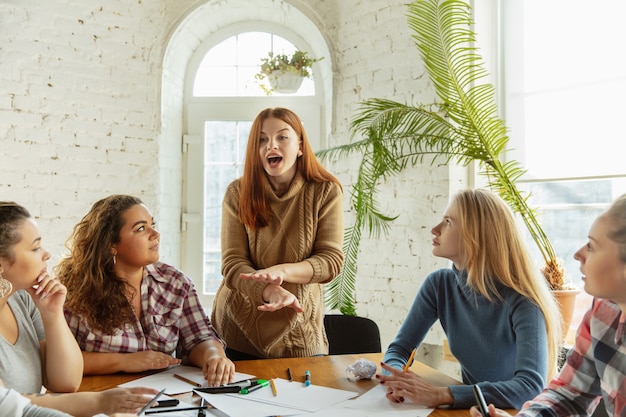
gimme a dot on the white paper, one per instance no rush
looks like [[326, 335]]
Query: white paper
[[293, 398], [173, 385], [375, 403]]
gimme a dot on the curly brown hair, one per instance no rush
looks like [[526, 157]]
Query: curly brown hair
[[93, 290]]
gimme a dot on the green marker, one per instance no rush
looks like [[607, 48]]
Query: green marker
[[260, 384]]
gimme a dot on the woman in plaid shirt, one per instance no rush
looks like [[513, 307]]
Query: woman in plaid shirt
[[596, 365], [128, 311]]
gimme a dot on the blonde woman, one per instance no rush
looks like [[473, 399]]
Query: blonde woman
[[499, 317], [596, 366]]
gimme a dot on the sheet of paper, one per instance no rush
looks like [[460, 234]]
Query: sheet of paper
[[173, 385], [236, 407], [375, 403], [293, 398]]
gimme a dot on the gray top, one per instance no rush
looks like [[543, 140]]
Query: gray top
[[21, 363], [13, 404]]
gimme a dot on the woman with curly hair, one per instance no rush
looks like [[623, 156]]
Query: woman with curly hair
[[128, 311], [37, 348]]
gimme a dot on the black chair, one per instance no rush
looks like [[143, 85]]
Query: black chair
[[351, 334]]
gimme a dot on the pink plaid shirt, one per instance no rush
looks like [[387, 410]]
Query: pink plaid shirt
[[172, 318], [596, 366]]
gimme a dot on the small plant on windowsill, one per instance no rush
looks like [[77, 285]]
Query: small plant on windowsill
[[285, 73]]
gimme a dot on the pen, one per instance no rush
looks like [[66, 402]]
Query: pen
[[189, 381], [218, 390], [410, 361], [274, 389], [307, 378], [175, 410], [289, 374], [241, 384], [254, 388], [480, 400], [201, 412], [167, 403], [149, 403]]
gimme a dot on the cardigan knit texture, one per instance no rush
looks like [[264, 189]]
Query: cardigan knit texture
[[501, 345], [306, 224]]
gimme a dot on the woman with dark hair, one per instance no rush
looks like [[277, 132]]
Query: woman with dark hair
[[128, 311], [282, 235], [37, 348]]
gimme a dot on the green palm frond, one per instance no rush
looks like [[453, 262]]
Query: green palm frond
[[463, 127]]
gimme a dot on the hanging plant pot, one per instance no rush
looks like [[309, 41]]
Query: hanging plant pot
[[285, 82]]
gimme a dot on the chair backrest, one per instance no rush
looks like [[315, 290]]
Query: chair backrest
[[351, 334]]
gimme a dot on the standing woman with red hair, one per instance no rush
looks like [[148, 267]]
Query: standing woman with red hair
[[282, 236]]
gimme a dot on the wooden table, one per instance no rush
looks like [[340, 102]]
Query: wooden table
[[329, 371]]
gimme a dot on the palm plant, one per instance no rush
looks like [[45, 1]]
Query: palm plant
[[464, 127]]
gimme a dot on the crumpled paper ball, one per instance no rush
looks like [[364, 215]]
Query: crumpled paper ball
[[361, 369]]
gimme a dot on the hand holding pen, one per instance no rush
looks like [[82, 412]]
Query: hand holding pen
[[409, 363], [408, 385]]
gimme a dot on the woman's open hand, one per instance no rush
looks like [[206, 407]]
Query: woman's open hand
[[408, 385]]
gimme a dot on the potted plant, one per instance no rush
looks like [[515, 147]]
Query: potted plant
[[463, 127], [285, 72]]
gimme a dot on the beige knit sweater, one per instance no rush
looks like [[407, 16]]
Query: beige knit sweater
[[307, 224]]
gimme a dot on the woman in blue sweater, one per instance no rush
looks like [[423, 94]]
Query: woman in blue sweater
[[496, 310]]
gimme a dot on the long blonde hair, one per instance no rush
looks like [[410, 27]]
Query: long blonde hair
[[494, 251]]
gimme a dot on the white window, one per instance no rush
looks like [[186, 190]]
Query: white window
[[225, 97], [564, 79]]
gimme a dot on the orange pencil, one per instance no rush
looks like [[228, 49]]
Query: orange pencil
[[410, 361], [189, 381]]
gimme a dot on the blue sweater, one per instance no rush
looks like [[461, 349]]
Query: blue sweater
[[501, 345]]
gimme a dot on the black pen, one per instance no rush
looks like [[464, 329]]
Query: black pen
[[167, 403], [175, 410], [480, 400], [289, 374], [201, 412], [219, 390]]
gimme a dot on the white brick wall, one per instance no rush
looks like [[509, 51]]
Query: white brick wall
[[88, 109]]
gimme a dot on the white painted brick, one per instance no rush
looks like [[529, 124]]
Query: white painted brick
[[80, 118]]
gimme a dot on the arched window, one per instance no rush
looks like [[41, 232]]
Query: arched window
[[228, 69], [223, 99]]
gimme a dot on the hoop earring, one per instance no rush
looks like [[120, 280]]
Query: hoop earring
[[114, 260], [5, 287]]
